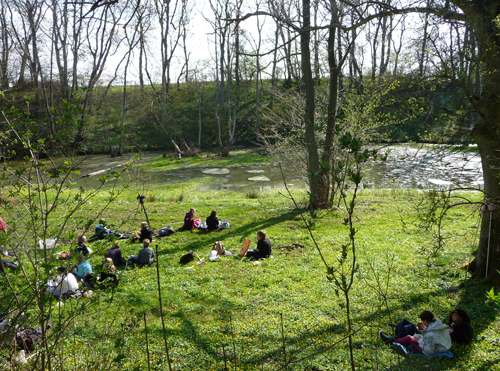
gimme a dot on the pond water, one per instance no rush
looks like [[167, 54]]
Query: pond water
[[405, 166]]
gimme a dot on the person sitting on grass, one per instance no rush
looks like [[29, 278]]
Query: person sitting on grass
[[146, 256], [460, 328], [432, 338], [108, 272], [115, 254], [64, 285], [263, 249], [212, 222], [82, 248], [144, 233], [83, 271], [190, 221]]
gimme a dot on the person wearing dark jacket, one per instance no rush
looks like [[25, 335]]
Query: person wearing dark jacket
[[263, 249], [82, 248], [115, 254], [189, 220], [145, 233], [146, 256], [212, 221], [460, 328]]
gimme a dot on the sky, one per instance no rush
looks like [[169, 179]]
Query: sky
[[201, 43]]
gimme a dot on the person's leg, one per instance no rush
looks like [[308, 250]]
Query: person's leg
[[89, 281], [410, 342], [252, 254]]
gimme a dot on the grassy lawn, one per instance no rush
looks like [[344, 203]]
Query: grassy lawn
[[230, 311]]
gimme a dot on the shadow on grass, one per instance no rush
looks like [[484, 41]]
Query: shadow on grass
[[300, 345], [243, 232]]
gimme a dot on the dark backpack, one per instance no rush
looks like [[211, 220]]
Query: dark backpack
[[405, 328], [186, 258]]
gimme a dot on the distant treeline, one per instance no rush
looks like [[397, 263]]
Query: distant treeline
[[420, 109]]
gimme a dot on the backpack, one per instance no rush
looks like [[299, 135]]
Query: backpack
[[186, 258], [404, 328], [165, 231], [224, 224]]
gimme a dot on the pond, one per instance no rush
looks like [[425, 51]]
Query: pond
[[405, 166]]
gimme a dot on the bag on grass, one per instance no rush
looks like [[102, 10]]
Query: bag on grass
[[224, 224], [186, 258]]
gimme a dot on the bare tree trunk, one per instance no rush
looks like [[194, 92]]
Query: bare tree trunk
[[422, 62], [317, 77], [6, 45], [313, 168]]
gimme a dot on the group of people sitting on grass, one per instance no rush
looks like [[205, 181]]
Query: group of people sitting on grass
[[212, 223], [191, 222], [67, 282], [430, 337]]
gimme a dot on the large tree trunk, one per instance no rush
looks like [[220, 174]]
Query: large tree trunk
[[317, 192], [487, 133], [488, 255]]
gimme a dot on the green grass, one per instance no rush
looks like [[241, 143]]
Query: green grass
[[236, 158], [211, 308]]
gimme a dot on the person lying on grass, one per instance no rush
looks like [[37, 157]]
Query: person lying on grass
[[432, 338], [263, 249], [146, 256], [144, 233], [115, 254], [460, 328], [4, 263], [101, 230]]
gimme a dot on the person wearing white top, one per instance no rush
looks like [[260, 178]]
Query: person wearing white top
[[65, 284]]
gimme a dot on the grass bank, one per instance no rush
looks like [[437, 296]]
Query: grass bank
[[229, 312]]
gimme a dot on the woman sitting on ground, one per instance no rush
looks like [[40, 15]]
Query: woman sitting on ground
[[433, 337], [263, 249], [460, 328], [115, 254], [190, 221], [212, 222]]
